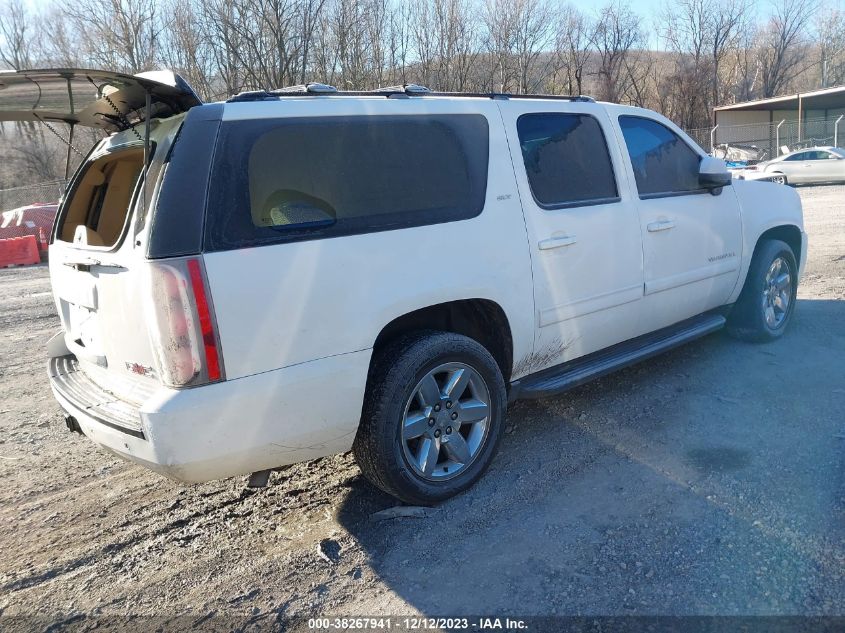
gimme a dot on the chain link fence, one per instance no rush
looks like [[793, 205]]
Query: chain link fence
[[23, 196], [764, 141]]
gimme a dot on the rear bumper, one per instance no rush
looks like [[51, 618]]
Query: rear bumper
[[234, 427], [70, 384]]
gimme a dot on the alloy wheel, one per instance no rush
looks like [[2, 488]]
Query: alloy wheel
[[446, 421], [777, 293]]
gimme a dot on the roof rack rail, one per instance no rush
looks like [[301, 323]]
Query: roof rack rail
[[405, 90], [249, 95], [311, 87]]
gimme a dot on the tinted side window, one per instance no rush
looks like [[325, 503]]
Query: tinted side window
[[566, 159], [663, 163], [799, 156], [289, 179]]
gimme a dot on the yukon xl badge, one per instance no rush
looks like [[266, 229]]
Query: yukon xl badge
[[716, 258]]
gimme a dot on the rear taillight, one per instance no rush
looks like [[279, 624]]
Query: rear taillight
[[209, 336], [182, 328]]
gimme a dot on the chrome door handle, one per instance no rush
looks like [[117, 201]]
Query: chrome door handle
[[556, 242], [662, 225]]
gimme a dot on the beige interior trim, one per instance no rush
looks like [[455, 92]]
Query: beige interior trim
[[118, 173]]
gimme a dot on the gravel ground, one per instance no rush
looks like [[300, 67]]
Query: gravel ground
[[706, 481]]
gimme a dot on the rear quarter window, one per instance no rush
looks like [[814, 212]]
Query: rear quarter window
[[278, 180]]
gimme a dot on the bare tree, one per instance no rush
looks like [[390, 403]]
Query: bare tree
[[712, 51], [218, 20], [17, 31], [687, 32], [457, 33], [344, 45], [830, 37], [186, 49], [573, 40], [424, 41], [741, 81], [701, 34], [61, 49], [397, 36], [309, 16], [784, 44], [617, 35], [121, 35], [728, 23], [533, 37], [500, 36]]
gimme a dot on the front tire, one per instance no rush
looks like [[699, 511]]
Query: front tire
[[780, 180], [767, 301], [432, 418]]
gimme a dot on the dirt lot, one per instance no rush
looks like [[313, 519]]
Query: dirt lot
[[706, 481]]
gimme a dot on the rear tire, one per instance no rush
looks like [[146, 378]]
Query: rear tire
[[767, 300], [424, 436]]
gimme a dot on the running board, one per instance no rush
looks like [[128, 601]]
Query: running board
[[576, 372]]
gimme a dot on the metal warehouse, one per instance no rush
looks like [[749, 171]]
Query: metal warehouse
[[786, 122]]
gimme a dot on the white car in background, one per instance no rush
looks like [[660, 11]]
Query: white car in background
[[811, 165]]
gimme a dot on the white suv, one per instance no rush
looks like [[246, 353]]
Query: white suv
[[311, 271]]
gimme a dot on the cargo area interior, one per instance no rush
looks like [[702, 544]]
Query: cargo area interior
[[96, 213]]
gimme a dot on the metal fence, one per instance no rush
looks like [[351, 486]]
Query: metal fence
[[764, 141], [23, 196]]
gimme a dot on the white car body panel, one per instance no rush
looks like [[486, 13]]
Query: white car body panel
[[765, 206], [104, 308], [238, 426], [316, 290], [297, 321], [580, 314], [692, 266]]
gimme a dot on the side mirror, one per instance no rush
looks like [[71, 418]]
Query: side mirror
[[713, 173]]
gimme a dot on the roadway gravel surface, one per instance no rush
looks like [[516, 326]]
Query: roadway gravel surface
[[706, 481]]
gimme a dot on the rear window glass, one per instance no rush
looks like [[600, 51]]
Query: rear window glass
[[566, 159], [304, 178]]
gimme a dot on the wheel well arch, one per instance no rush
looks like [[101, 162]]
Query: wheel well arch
[[482, 320], [788, 233]]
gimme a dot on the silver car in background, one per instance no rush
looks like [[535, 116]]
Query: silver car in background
[[801, 167]]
